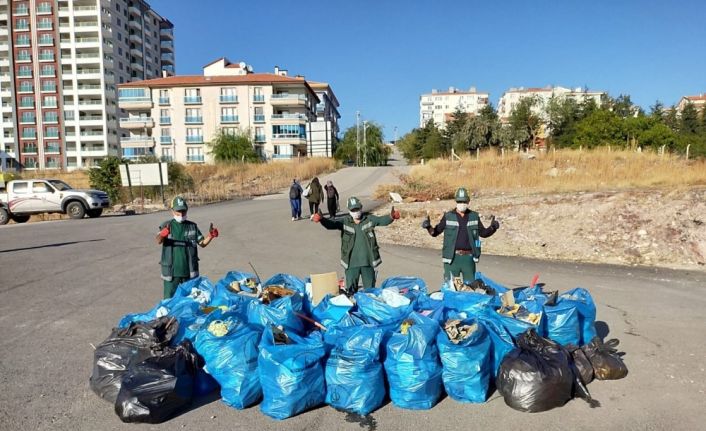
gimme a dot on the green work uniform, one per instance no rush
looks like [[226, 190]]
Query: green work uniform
[[180, 260], [360, 253]]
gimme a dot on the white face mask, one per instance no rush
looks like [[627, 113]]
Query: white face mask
[[356, 214], [179, 218], [461, 207]]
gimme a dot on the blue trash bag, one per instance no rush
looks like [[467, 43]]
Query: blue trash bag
[[406, 284], [412, 365], [355, 381], [429, 307], [374, 310], [147, 316], [499, 288], [224, 295], [280, 312], [287, 280], [468, 365], [199, 289], [470, 302], [291, 375], [231, 359], [204, 384], [562, 323], [500, 338], [328, 313], [587, 312]]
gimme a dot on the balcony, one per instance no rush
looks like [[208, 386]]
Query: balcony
[[28, 119], [193, 120], [289, 138], [25, 89], [136, 52], [194, 158], [259, 119], [46, 57], [135, 103], [165, 121], [45, 25], [229, 118], [260, 139], [228, 99], [22, 42], [137, 142], [135, 24], [21, 11], [81, 26], [167, 33], [191, 139], [135, 11], [136, 38], [258, 98], [29, 149], [167, 46], [46, 41], [24, 58], [165, 140], [137, 66], [44, 9], [52, 149], [288, 100], [167, 58], [137, 123], [192, 100], [164, 101], [289, 118], [51, 119]]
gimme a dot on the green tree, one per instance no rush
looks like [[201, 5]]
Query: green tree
[[410, 145], [601, 127], [106, 177], [237, 147], [671, 119], [689, 119], [373, 151], [623, 106], [657, 111], [563, 113], [524, 122]]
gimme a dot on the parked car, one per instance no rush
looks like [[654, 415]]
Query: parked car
[[22, 198]]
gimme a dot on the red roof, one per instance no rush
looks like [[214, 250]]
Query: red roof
[[695, 98], [200, 80]]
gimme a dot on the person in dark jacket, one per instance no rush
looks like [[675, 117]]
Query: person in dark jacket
[[462, 231], [315, 196], [360, 254], [179, 239], [331, 198], [295, 199]]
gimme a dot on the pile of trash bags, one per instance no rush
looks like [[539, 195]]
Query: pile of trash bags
[[266, 343]]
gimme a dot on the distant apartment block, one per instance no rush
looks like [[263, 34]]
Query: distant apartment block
[[175, 117], [439, 106], [60, 62], [512, 97], [699, 101]]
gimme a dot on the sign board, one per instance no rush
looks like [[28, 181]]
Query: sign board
[[322, 284], [144, 174]]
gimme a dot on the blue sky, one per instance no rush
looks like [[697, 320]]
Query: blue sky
[[379, 56]]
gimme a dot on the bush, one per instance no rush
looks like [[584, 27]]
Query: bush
[[106, 177]]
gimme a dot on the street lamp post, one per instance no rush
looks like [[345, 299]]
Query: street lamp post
[[357, 138], [365, 144]]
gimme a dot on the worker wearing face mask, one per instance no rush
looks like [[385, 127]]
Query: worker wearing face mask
[[179, 238], [360, 253], [462, 231]]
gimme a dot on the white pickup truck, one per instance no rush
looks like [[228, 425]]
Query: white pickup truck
[[22, 198]]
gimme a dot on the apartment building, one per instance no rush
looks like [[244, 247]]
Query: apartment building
[[699, 101], [512, 97], [323, 133], [63, 59], [439, 106], [175, 117]]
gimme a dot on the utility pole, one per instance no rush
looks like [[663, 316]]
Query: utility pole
[[395, 141], [365, 144], [357, 138]]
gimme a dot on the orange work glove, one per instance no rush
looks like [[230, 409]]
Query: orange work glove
[[395, 214], [164, 232], [316, 218], [212, 231]]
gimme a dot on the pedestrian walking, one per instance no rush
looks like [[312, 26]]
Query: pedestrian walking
[[315, 195], [462, 231], [331, 198], [360, 253], [295, 199], [179, 238]]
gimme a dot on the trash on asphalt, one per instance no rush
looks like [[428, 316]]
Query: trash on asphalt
[[270, 343]]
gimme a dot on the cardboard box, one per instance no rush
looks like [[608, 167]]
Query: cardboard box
[[323, 284]]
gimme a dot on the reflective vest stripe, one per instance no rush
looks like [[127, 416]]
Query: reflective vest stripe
[[344, 264], [349, 229], [366, 226], [451, 223]]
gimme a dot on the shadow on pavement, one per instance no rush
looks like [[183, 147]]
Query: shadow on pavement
[[58, 244]]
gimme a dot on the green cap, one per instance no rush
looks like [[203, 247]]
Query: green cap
[[462, 195], [179, 204], [354, 203]]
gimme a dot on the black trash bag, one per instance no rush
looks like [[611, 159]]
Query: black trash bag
[[582, 364], [605, 359], [158, 387], [126, 347], [538, 375]]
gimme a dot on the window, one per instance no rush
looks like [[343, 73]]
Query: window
[[120, 51], [22, 24], [24, 55], [27, 117], [167, 154], [44, 24], [228, 115], [29, 133], [27, 102], [259, 115], [48, 70], [289, 131], [44, 7], [194, 154], [49, 102], [193, 135], [132, 93], [164, 117], [24, 72], [51, 117], [40, 187], [230, 130], [21, 187], [193, 115], [22, 40], [26, 87], [52, 132], [46, 55], [49, 86], [257, 95], [228, 95], [46, 39], [192, 95]]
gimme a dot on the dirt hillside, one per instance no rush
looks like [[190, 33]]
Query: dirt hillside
[[652, 228]]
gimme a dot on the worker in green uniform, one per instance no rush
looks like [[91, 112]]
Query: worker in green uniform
[[179, 238], [360, 253], [462, 231]]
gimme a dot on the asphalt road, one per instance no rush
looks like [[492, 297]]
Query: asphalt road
[[65, 284]]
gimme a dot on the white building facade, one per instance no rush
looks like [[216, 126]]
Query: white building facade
[[439, 106], [64, 59], [175, 117], [512, 97], [699, 101], [322, 134]]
